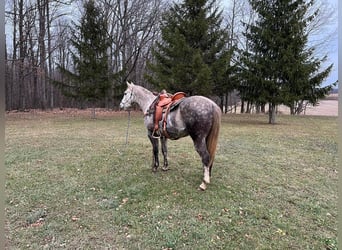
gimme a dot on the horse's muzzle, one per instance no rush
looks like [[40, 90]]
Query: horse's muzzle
[[122, 106]]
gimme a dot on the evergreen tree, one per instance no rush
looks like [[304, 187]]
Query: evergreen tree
[[90, 79], [280, 68], [192, 47]]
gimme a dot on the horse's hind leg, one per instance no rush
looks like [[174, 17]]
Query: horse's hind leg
[[164, 151], [155, 151], [201, 148]]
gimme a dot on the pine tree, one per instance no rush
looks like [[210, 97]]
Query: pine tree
[[281, 68], [193, 43], [90, 79]]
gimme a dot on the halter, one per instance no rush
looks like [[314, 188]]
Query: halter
[[130, 97], [129, 115]]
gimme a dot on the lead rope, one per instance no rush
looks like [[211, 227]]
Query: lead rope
[[128, 124]]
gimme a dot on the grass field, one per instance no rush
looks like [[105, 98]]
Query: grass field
[[72, 183]]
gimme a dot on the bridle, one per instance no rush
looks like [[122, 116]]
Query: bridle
[[129, 113], [129, 98]]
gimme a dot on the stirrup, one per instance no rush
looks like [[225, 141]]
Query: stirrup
[[156, 134]]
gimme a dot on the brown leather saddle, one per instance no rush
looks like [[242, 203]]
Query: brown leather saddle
[[164, 103]]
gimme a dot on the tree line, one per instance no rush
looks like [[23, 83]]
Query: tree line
[[41, 39], [257, 52]]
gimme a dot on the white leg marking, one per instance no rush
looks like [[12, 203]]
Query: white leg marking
[[206, 178], [203, 186]]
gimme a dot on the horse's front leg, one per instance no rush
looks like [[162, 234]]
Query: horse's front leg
[[155, 152], [163, 140]]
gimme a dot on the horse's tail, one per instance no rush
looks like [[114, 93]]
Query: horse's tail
[[212, 137]]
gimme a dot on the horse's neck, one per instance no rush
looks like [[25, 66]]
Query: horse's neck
[[144, 99]]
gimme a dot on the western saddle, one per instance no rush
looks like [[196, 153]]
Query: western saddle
[[164, 103]]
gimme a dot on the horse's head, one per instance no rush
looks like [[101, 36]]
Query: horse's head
[[128, 97]]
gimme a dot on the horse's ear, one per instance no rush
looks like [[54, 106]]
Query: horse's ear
[[130, 84]]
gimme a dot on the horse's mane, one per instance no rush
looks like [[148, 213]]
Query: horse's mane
[[146, 91]]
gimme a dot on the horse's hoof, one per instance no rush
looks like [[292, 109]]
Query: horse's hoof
[[165, 169], [203, 186], [154, 170]]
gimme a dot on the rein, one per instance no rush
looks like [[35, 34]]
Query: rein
[[128, 125]]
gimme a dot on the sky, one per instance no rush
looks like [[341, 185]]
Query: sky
[[332, 51], [333, 58]]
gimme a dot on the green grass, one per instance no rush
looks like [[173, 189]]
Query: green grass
[[71, 182]]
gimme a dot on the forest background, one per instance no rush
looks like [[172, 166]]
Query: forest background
[[40, 41]]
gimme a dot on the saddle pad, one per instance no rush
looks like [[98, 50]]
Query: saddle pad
[[176, 104]]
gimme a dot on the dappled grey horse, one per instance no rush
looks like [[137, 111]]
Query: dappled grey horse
[[196, 116]]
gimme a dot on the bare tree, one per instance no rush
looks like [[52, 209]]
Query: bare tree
[[323, 28], [42, 72], [236, 14], [30, 63], [39, 40], [133, 27]]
